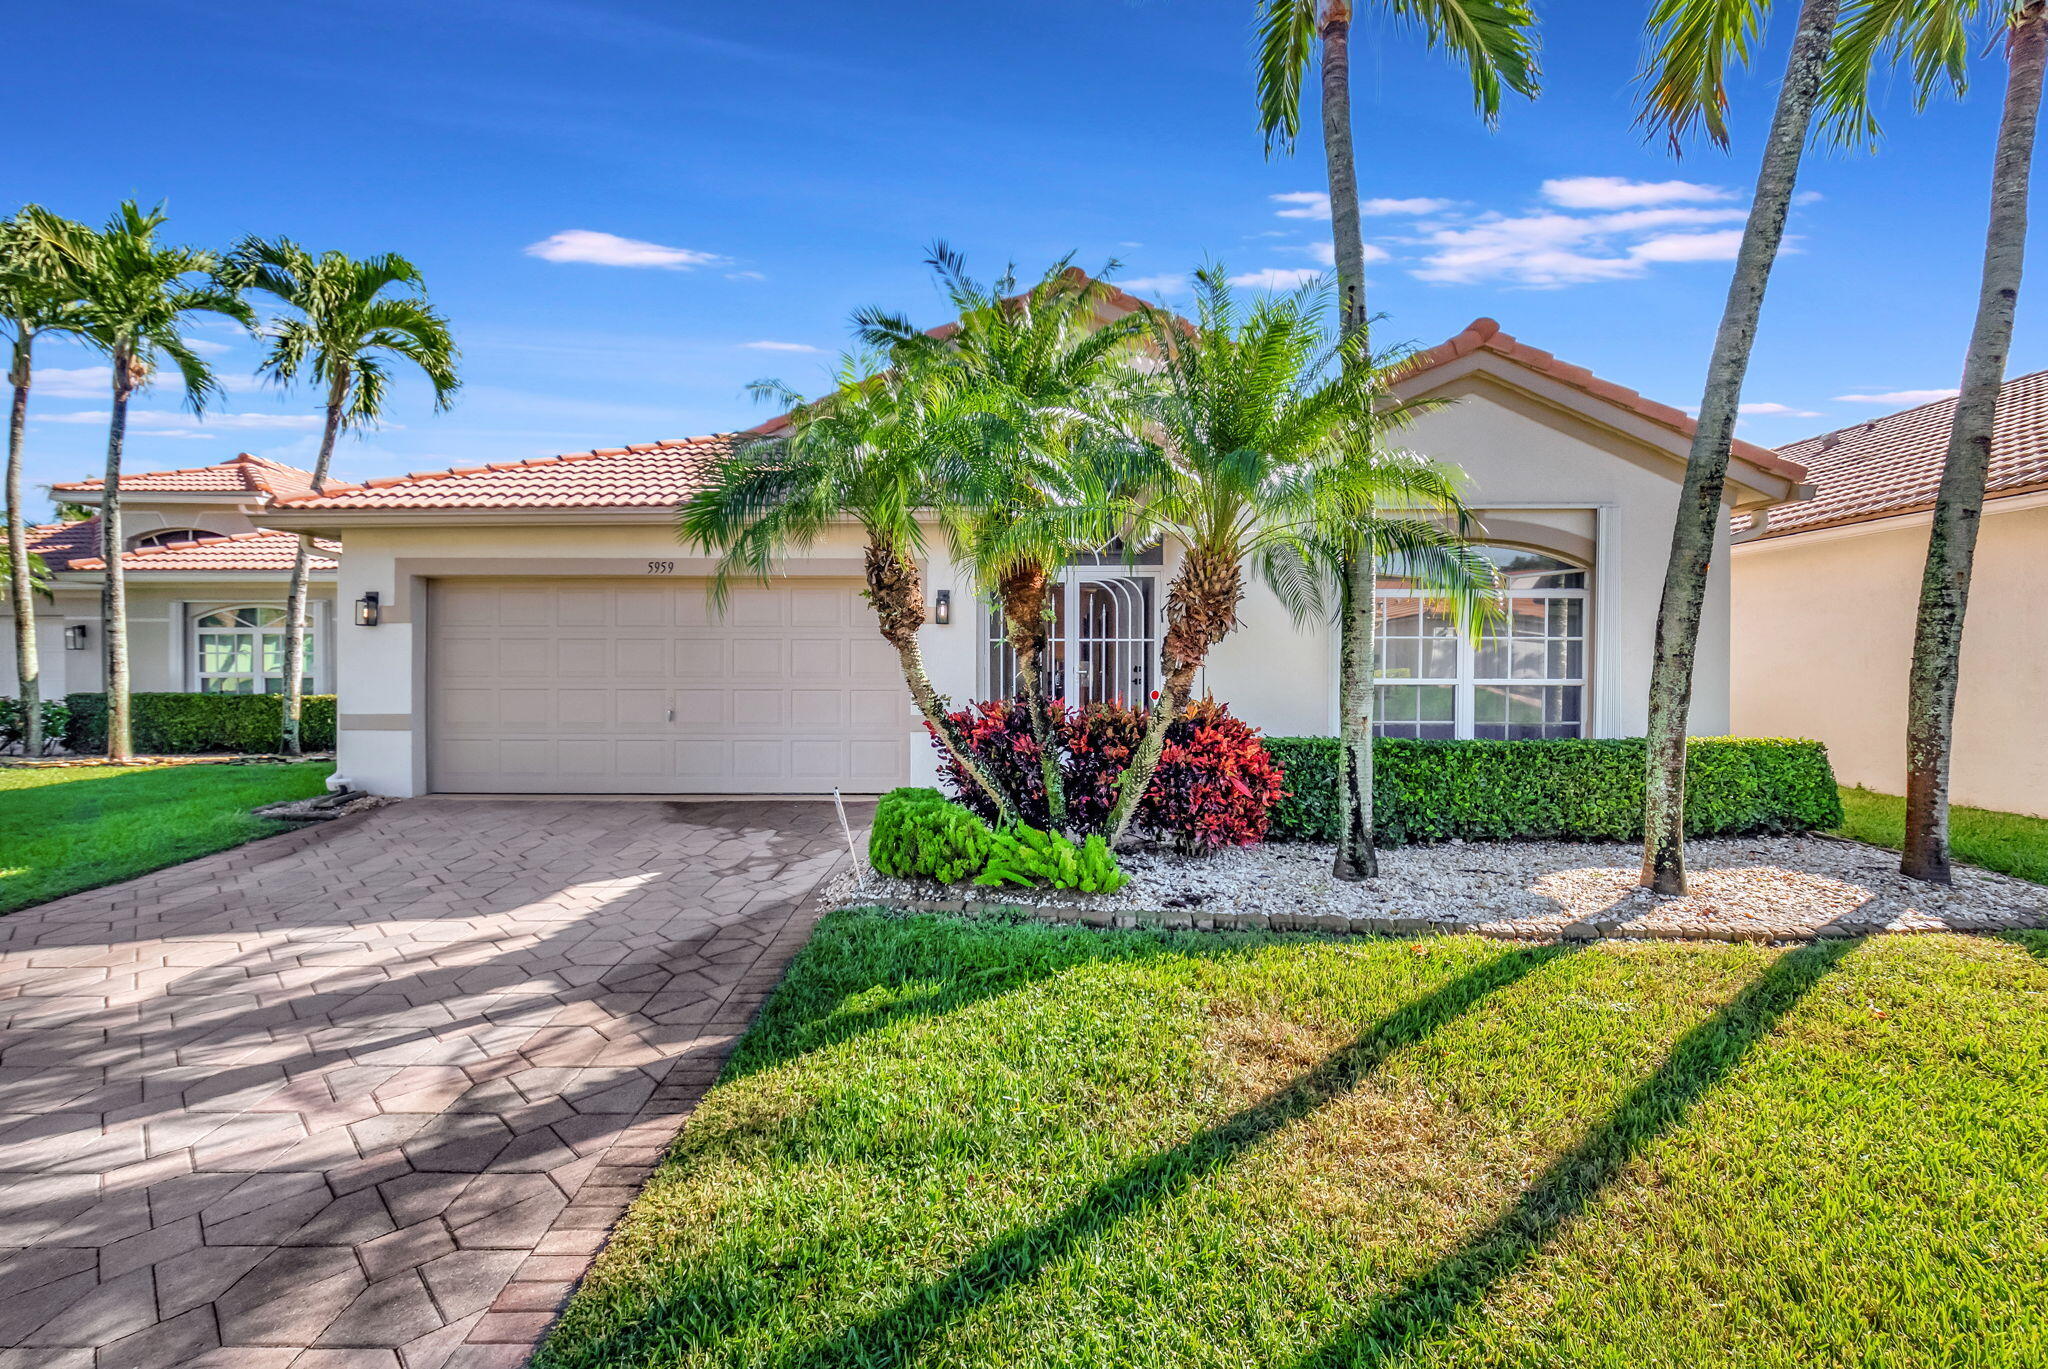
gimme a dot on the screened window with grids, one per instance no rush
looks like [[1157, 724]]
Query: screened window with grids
[[241, 651], [1525, 678]]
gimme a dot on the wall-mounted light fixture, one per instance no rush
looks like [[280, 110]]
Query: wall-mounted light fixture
[[942, 607], [367, 612], [75, 637]]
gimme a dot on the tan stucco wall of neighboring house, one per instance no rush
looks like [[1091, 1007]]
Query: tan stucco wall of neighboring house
[[1825, 636], [160, 629]]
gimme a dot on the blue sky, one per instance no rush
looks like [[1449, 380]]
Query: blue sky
[[775, 167]]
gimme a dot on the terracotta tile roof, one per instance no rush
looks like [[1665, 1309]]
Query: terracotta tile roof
[[1892, 465], [1485, 333], [261, 552], [59, 544], [245, 474], [650, 475]]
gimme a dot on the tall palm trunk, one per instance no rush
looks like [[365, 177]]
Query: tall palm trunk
[[896, 590], [1706, 469], [114, 587], [289, 740], [1201, 609], [1959, 504], [1024, 594], [1355, 858], [20, 586]]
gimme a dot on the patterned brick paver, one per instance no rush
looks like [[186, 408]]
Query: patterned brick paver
[[369, 1096]]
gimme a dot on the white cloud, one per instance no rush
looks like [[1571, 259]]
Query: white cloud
[[1277, 278], [1900, 397], [1771, 409], [1808, 197], [174, 419], [1720, 246], [1618, 192], [745, 275], [158, 433], [206, 348], [780, 347], [81, 382], [1155, 285], [609, 249], [1417, 205], [1302, 204]]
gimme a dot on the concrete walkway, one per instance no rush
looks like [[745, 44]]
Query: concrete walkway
[[369, 1095]]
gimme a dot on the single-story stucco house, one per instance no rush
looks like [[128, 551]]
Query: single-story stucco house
[[206, 584], [1827, 592], [537, 628]]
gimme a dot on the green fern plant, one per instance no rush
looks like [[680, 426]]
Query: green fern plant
[[1031, 858]]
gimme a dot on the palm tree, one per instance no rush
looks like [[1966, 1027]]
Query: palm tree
[[36, 297], [1268, 459], [1048, 374], [1959, 502], [134, 296], [339, 329], [1495, 41], [1685, 85], [872, 451]]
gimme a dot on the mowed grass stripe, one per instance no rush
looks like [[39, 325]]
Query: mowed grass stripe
[[960, 1143], [64, 830]]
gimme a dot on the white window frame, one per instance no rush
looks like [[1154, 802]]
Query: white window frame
[[1067, 651], [163, 537], [257, 633], [1467, 682]]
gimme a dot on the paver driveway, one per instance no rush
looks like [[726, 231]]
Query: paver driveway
[[371, 1094]]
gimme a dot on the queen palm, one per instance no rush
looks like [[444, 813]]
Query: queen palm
[[1694, 42], [1959, 500], [36, 297], [135, 297], [1269, 457], [871, 451], [1046, 374], [340, 329], [1495, 41]]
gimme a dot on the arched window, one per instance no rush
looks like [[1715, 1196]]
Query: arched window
[[241, 650], [1526, 677], [168, 536]]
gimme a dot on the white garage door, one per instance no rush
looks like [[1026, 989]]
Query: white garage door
[[630, 687]]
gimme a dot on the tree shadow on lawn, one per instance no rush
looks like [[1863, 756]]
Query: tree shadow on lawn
[[1435, 1299], [955, 961], [895, 1334], [2034, 944]]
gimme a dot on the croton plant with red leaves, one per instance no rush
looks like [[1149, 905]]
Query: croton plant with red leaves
[[1214, 787]]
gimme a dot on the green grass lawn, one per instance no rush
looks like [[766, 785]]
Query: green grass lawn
[[66, 830], [2007, 842], [950, 1143]]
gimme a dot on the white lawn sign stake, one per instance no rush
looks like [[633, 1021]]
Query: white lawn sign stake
[[845, 826]]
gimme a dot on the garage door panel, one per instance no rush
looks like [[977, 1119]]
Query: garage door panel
[[642, 655], [629, 687], [526, 656]]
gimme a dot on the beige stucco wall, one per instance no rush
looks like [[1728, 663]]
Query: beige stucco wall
[[1539, 477], [158, 656], [1825, 636]]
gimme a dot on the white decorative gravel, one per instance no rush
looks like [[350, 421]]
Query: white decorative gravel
[[1764, 888]]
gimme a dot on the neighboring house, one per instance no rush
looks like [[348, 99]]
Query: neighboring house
[[1827, 593], [539, 630], [206, 584]]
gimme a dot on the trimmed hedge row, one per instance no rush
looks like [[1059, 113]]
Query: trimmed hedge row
[[187, 724], [1555, 790]]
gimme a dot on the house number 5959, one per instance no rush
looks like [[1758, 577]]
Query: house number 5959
[[661, 568]]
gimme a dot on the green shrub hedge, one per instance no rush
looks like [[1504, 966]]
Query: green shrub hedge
[[1555, 790], [186, 724]]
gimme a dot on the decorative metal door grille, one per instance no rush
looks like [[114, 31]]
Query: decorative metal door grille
[[1101, 642]]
